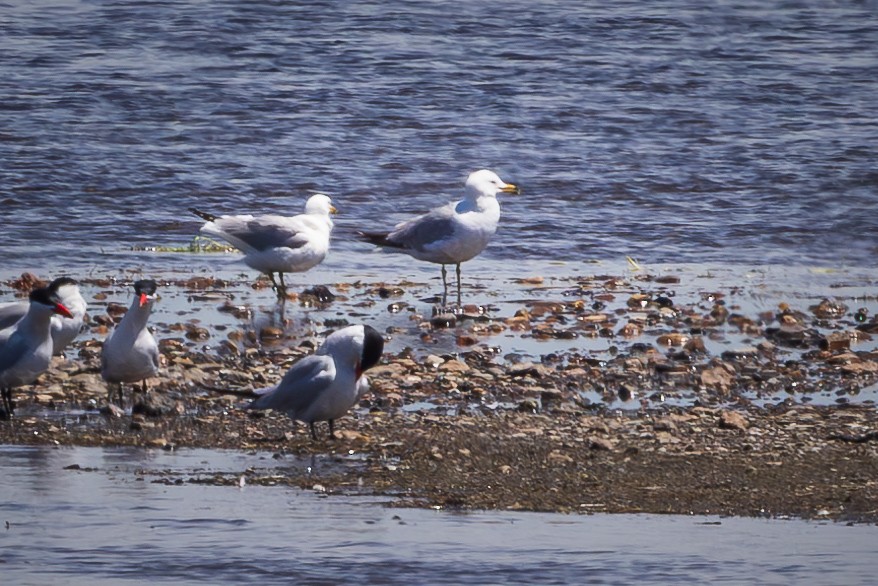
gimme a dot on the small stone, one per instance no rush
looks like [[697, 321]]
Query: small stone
[[112, 410], [443, 320], [601, 444], [672, 339], [733, 420], [454, 366]]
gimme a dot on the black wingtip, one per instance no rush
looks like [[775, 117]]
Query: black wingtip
[[377, 238], [373, 347], [203, 215]]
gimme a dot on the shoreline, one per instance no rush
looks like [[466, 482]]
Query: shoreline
[[650, 396]]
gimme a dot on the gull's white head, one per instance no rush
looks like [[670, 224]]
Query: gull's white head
[[319, 204], [487, 183]]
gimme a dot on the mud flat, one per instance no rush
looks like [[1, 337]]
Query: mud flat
[[671, 391]]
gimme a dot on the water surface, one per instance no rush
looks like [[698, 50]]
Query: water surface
[[110, 522], [669, 131]]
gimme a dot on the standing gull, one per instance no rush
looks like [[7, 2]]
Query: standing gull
[[326, 384], [28, 351], [130, 353], [64, 329], [277, 244], [453, 233]]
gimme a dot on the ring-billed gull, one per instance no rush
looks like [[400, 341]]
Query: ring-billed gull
[[130, 353], [326, 384], [277, 244], [64, 330], [453, 233], [28, 351]]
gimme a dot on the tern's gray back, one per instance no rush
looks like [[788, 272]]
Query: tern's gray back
[[300, 387], [10, 313], [11, 352]]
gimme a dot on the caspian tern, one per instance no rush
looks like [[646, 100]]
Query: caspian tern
[[130, 353], [277, 244], [453, 233], [326, 384], [28, 350], [64, 330]]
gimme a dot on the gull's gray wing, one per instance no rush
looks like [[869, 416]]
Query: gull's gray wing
[[10, 313], [419, 233], [300, 386], [260, 233]]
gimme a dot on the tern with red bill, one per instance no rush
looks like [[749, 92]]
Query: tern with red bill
[[64, 330], [131, 353], [451, 234], [277, 244], [27, 352], [325, 385]]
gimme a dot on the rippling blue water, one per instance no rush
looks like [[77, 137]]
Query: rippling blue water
[[671, 131], [110, 523]]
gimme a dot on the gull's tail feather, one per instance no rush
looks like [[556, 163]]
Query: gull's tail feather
[[203, 215], [377, 238]]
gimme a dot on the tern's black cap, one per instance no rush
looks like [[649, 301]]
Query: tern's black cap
[[61, 282], [44, 295], [373, 347], [145, 287]]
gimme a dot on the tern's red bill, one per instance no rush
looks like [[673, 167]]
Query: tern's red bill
[[60, 309]]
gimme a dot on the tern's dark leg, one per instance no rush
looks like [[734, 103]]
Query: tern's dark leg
[[283, 286], [444, 286], [6, 392], [458, 286], [313, 431], [143, 387], [273, 282], [332, 429]]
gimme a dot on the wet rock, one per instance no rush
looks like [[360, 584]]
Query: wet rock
[[269, 333], [154, 405], [672, 339], [387, 292], [239, 311], [27, 282], [530, 369], [194, 332], [836, 341], [319, 294], [443, 320], [112, 410], [695, 345], [631, 330], [638, 301], [740, 353], [529, 281], [794, 335], [828, 309], [116, 310]]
